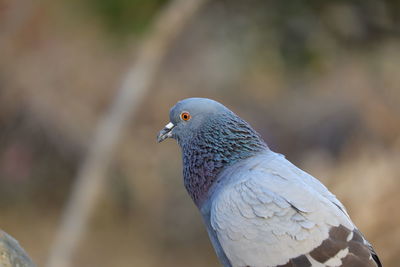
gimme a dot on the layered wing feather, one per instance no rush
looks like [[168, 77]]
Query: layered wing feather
[[267, 212]]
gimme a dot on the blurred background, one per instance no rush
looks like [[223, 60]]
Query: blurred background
[[320, 80]]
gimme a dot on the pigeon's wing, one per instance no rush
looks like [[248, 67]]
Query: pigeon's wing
[[11, 254], [267, 215], [281, 164]]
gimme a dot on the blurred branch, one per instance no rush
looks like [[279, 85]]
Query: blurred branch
[[136, 82]]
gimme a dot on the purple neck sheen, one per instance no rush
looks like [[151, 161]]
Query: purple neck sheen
[[221, 142]]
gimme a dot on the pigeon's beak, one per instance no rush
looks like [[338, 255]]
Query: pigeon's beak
[[166, 132]]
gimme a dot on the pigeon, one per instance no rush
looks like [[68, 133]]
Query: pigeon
[[259, 209], [11, 253]]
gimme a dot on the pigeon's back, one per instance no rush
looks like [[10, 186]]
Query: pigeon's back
[[264, 211]]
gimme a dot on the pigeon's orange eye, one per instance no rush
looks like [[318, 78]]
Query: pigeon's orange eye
[[185, 116]]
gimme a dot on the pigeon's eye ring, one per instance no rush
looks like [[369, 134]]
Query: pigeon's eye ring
[[185, 116]]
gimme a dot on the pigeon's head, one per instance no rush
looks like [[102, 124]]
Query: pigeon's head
[[189, 116], [211, 137]]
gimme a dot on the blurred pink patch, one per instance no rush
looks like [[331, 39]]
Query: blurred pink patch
[[16, 162]]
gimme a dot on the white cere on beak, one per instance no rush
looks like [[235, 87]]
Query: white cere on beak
[[169, 126]]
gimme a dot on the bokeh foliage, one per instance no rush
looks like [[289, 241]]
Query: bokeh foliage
[[122, 17]]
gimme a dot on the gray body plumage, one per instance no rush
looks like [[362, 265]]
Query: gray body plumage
[[259, 209]]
